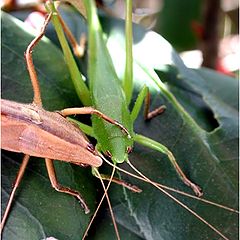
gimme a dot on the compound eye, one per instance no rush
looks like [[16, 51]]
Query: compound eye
[[129, 149], [90, 148], [109, 154]]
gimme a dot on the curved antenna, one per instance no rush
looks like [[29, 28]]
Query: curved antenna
[[100, 203], [146, 179], [179, 202], [176, 190]]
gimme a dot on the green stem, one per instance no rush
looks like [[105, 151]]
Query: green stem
[[81, 88], [128, 75], [92, 14], [139, 102]]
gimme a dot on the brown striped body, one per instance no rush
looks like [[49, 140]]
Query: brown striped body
[[32, 130]]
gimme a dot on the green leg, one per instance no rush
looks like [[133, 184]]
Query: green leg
[[84, 127], [80, 86], [161, 148], [144, 94], [128, 75]]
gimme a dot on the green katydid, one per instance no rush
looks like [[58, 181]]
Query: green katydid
[[107, 94], [108, 138]]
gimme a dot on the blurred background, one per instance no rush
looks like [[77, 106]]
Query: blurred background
[[204, 32]]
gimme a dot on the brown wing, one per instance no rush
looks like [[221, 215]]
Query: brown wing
[[37, 142], [11, 131], [37, 132]]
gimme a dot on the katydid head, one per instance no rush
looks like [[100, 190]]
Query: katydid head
[[114, 138], [117, 144], [119, 154]]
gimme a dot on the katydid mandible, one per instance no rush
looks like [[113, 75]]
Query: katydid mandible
[[29, 129]]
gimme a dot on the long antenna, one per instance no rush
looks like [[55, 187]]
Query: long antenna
[[179, 202], [178, 191], [108, 200], [100, 203], [168, 194]]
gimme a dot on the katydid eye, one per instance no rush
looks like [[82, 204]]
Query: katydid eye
[[90, 147], [108, 153], [129, 149]]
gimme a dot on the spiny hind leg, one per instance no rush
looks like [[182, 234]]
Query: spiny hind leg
[[150, 143], [78, 47]]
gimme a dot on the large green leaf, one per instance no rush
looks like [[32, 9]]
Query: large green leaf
[[38, 210], [205, 143], [208, 157]]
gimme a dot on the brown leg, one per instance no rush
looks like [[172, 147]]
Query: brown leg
[[8, 5], [59, 188], [91, 110], [78, 48], [118, 181], [14, 5], [197, 190], [32, 72], [15, 186], [149, 115]]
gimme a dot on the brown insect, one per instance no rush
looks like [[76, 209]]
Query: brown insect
[[29, 129]]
